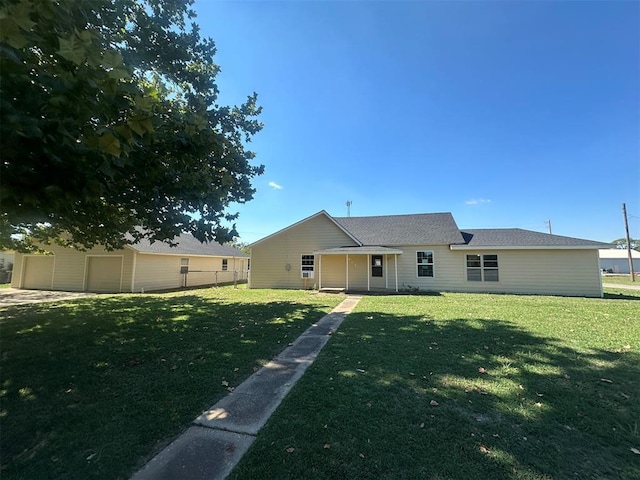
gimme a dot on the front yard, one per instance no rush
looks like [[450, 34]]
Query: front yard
[[459, 386], [90, 388], [448, 386]]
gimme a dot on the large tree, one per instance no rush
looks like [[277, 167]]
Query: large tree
[[622, 243], [110, 128]]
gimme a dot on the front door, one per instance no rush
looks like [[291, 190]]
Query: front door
[[377, 271]]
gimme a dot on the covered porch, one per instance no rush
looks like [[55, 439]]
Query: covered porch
[[358, 268]]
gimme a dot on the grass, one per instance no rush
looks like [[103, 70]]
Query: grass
[[5, 285], [465, 386], [620, 279], [92, 388]]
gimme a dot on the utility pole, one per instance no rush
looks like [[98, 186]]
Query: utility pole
[[548, 222], [626, 227]]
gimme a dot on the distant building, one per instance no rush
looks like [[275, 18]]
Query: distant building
[[616, 260]]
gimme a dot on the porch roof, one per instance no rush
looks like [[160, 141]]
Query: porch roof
[[368, 250]]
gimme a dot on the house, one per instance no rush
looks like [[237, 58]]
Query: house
[[141, 267], [422, 251], [616, 260], [7, 257]]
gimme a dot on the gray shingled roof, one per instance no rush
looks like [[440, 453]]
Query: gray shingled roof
[[517, 237], [188, 245], [416, 229]]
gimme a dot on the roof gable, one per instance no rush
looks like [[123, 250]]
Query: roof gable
[[414, 229], [315, 215]]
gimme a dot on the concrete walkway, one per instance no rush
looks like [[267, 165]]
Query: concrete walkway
[[15, 296], [622, 286], [220, 436]]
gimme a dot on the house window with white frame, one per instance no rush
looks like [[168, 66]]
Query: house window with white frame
[[225, 264], [482, 268], [184, 265], [307, 266], [424, 262]]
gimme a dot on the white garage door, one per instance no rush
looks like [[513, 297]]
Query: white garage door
[[104, 274], [38, 272]]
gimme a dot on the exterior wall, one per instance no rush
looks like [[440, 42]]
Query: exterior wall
[[619, 265], [6, 258], [152, 272], [554, 272], [70, 267], [270, 258], [162, 272], [333, 271]]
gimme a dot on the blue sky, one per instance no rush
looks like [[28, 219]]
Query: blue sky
[[506, 114]]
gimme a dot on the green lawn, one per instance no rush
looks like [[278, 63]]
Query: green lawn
[[621, 279], [5, 285], [459, 386], [93, 387]]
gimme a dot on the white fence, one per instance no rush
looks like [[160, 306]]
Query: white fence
[[214, 277]]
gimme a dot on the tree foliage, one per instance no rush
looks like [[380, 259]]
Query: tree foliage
[[622, 243], [110, 127]]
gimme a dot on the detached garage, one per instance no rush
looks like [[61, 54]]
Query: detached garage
[[140, 267], [104, 273], [38, 271]]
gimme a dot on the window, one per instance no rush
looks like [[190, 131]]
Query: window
[[307, 266], [425, 263], [225, 264], [184, 265], [376, 265], [482, 268]]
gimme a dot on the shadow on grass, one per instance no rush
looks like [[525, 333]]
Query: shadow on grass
[[90, 386], [401, 396], [621, 296]]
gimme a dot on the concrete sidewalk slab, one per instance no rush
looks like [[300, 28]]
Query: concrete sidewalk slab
[[248, 408], [225, 431], [199, 453]]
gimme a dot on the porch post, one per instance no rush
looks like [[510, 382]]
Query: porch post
[[319, 272], [386, 275], [368, 272], [347, 285], [396, 262]]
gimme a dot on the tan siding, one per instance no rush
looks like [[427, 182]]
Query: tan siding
[[157, 272], [358, 270], [104, 273], [38, 272], [269, 259], [333, 271], [444, 268], [70, 267], [558, 272], [161, 272], [16, 277]]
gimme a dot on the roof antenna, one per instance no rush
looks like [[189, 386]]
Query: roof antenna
[[349, 202]]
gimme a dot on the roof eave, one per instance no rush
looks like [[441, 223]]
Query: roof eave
[[524, 247], [370, 250]]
